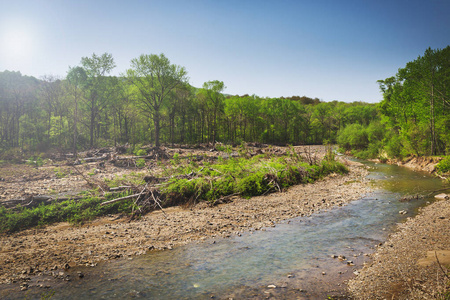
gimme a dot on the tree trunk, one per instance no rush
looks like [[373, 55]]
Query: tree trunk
[[156, 124]]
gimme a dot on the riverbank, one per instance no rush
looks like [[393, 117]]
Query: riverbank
[[405, 267], [424, 163], [54, 248]]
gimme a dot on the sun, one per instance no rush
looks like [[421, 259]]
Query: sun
[[17, 44]]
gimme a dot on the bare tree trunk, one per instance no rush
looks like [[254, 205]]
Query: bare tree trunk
[[75, 128], [156, 124]]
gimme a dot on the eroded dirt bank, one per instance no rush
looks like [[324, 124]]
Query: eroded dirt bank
[[424, 163], [53, 248], [400, 268]]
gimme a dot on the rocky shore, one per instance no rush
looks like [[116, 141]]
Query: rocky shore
[[405, 266], [414, 263], [54, 248]]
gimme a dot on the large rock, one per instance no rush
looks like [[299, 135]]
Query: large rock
[[442, 255], [441, 196]]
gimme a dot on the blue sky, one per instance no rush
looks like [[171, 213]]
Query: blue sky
[[333, 50]]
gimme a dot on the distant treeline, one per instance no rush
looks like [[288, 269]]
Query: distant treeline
[[153, 103]]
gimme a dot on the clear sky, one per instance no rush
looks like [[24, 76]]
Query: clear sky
[[333, 50]]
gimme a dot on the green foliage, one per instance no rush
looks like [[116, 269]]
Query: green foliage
[[181, 113], [175, 159], [60, 172], [140, 162], [140, 152], [72, 211], [416, 103], [393, 145], [443, 167], [354, 136], [36, 161], [247, 177]]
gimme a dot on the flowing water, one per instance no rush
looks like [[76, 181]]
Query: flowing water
[[295, 256]]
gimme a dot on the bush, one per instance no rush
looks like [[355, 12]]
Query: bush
[[353, 136], [443, 166], [140, 152], [393, 145], [140, 162]]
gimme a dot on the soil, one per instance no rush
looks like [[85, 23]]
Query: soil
[[35, 251], [427, 164]]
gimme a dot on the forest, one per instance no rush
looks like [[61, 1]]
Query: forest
[[152, 102]]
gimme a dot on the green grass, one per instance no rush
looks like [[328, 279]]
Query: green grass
[[248, 177], [189, 182], [75, 212]]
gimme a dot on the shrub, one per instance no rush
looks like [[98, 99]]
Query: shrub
[[353, 136], [140, 162], [443, 166], [140, 152]]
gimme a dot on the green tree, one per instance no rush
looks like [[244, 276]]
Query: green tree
[[155, 78], [417, 101], [97, 88], [76, 77], [212, 92]]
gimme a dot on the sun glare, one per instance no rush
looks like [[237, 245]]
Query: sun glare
[[17, 44]]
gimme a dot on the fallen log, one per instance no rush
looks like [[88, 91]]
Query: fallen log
[[135, 157], [34, 201], [119, 188], [120, 199], [92, 159]]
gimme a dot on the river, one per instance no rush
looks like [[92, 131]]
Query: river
[[294, 259]]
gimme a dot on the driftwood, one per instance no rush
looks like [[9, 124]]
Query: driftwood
[[33, 201], [145, 199], [135, 157], [119, 199], [223, 199], [93, 159], [120, 188]]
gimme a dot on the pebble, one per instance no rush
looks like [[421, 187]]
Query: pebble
[[272, 286]]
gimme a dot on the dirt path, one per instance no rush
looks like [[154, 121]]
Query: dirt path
[[34, 251]]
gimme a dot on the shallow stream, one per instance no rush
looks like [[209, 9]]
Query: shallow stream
[[295, 256]]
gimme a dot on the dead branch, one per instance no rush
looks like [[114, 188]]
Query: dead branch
[[157, 202], [33, 201], [92, 159], [223, 199], [119, 199], [120, 188], [88, 181]]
